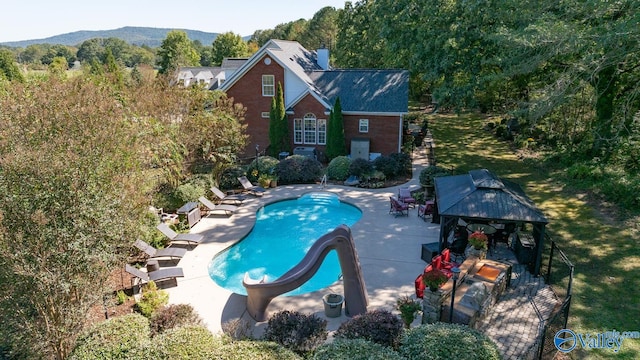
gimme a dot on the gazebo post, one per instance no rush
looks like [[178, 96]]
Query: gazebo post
[[538, 235]]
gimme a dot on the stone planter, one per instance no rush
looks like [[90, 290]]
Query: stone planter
[[273, 183], [479, 253]]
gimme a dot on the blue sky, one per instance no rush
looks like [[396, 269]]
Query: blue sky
[[38, 19]]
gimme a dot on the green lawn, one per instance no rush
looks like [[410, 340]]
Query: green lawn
[[606, 287]]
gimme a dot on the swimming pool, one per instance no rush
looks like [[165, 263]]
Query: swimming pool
[[283, 233]]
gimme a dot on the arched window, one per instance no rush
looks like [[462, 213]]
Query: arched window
[[310, 130]]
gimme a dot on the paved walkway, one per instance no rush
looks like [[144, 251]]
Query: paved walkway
[[517, 318], [389, 253]]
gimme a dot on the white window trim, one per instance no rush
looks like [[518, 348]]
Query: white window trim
[[297, 131], [302, 135], [363, 126], [266, 85], [264, 114]]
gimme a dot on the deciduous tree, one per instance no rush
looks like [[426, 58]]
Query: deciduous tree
[[71, 185], [228, 45], [176, 51]]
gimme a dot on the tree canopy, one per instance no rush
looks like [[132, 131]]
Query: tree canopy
[[228, 45], [176, 51]]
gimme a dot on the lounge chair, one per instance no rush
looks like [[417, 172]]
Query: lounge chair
[[248, 186], [171, 253], [211, 207], [398, 208], [191, 239], [235, 199], [156, 276]]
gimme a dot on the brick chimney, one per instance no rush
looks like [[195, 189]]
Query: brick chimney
[[322, 57]]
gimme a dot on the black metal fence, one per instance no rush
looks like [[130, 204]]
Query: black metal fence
[[558, 273]]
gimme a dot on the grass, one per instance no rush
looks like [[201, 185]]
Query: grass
[[605, 252]]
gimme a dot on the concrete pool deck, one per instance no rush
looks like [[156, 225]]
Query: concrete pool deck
[[388, 247], [389, 250]]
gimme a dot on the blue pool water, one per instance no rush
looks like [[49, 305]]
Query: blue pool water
[[283, 233]]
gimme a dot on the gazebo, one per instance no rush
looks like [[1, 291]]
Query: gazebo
[[481, 197]]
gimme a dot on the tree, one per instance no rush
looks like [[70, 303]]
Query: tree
[[336, 145], [212, 131], [72, 201], [8, 68], [278, 127], [175, 51], [227, 45], [58, 67]]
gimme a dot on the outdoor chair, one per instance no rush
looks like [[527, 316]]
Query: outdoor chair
[[398, 208], [248, 186], [156, 276], [191, 239], [404, 195], [211, 207], [170, 253], [234, 199], [426, 210]]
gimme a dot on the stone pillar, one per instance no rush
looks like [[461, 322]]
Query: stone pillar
[[431, 306]]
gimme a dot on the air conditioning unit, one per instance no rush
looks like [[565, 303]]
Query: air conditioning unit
[[308, 151]]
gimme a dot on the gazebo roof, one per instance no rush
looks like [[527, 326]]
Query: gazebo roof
[[481, 194]]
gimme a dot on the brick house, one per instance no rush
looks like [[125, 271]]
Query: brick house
[[373, 101]]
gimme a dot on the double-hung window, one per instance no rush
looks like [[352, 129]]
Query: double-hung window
[[268, 85]]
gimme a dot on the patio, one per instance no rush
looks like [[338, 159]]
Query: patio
[[389, 250]]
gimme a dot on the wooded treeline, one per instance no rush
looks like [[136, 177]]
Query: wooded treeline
[[569, 71]]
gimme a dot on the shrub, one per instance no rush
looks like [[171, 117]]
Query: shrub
[[408, 309], [354, 349], [447, 341], [187, 342], [122, 337], [296, 331], [173, 316], [404, 163], [264, 350], [379, 326], [298, 169], [263, 165], [430, 172], [152, 299], [338, 168], [360, 167], [311, 170], [237, 329], [387, 165], [121, 297], [229, 178], [188, 192]]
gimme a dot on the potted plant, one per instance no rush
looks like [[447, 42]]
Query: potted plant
[[478, 240], [264, 180], [434, 278], [408, 308], [479, 245]]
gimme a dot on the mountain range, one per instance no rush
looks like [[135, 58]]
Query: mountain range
[[151, 37]]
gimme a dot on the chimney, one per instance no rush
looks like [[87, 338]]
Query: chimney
[[322, 56]]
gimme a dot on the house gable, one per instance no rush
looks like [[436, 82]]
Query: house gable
[[378, 96]]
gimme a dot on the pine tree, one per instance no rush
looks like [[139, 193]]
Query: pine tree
[[336, 145]]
